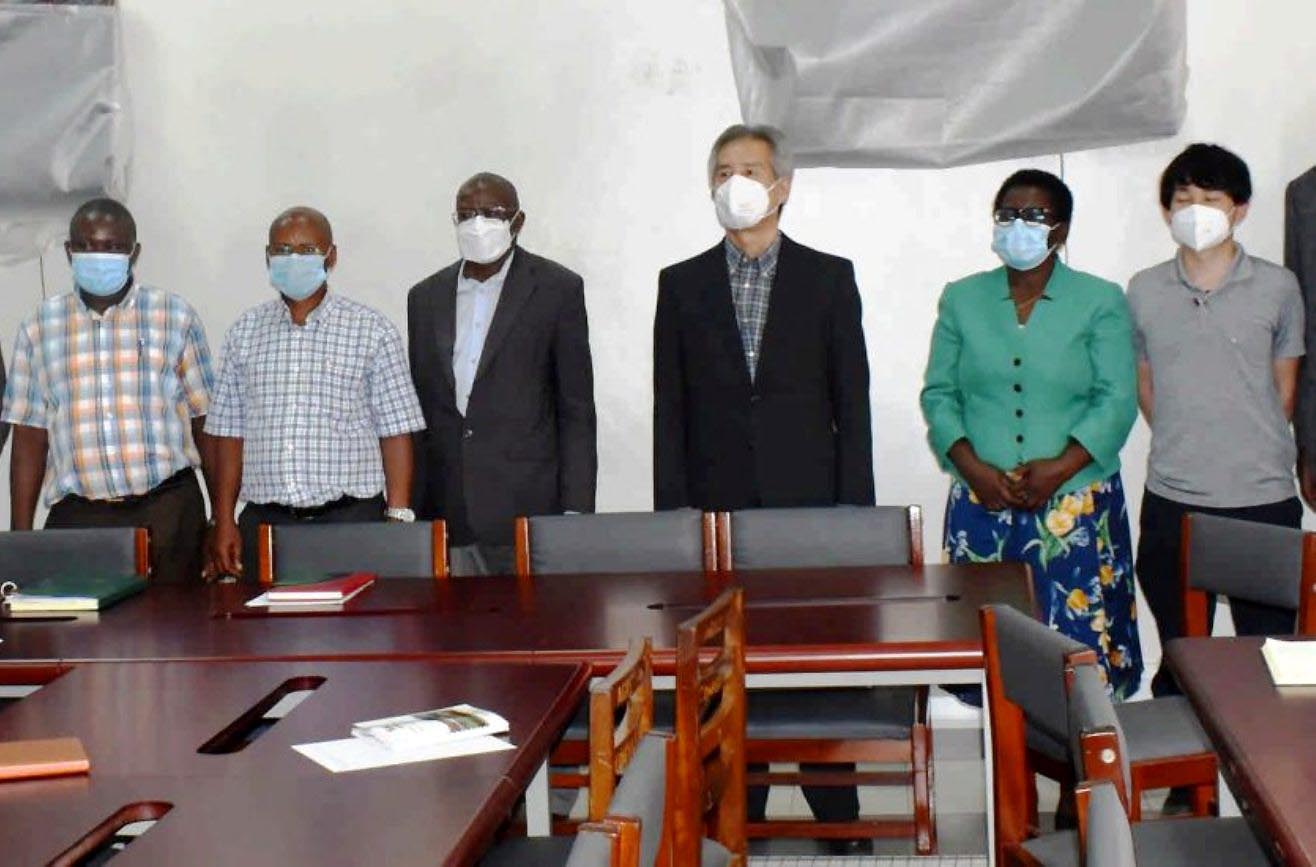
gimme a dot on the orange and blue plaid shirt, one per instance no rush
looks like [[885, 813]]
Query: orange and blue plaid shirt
[[116, 393]]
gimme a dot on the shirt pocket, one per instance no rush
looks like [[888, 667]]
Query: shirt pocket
[[340, 391]]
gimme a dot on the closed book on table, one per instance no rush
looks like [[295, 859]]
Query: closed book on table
[[333, 590], [56, 757], [1291, 663], [71, 592]]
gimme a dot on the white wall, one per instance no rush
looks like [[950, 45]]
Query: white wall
[[602, 113]]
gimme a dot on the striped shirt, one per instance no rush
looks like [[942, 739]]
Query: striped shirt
[[312, 401], [115, 392], [751, 289]]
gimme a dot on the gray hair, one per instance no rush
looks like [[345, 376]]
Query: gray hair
[[783, 160]]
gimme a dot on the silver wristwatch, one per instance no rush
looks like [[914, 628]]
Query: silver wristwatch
[[406, 516]]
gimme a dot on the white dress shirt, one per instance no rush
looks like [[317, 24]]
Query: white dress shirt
[[476, 303]]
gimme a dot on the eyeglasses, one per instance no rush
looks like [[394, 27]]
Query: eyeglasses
[[1032, 216], [290, 249], [461, 215]]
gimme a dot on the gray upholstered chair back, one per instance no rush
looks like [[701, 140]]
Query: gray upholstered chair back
[[1032, 658], [1090, 709], [642, 793], [590, 849], [824, 536], [316, 551], [34, 554], [1109, 837], [670, 541], [1258, 562]]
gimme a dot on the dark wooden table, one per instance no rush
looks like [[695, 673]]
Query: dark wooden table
[[142, 724], [822, 620], [1265, 736]]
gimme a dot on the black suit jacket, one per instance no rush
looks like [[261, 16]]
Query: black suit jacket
[[799, 433], [527, 443], [1300, 258]]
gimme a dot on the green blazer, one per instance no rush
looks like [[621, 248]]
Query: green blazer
[[1019, 393]]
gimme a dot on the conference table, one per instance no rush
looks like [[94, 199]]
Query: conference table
[[846, 626], [175, 739], [1263, 734]]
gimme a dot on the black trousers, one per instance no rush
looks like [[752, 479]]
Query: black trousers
[[346, 510], [827, 803], [173, 511], [1158, 572]]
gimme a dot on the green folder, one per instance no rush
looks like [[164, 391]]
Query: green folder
[[73, 593]]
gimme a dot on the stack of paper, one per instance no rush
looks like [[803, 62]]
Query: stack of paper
[[1291, 663], [315, 594], [70, 593], [460, 730]]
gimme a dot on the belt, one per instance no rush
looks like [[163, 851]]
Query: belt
[[178, 478], [308, 512]]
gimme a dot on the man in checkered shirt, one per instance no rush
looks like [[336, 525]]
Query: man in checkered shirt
[[314, 410], [107, 393]]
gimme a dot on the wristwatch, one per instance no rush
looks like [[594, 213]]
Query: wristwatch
[[405, 516]]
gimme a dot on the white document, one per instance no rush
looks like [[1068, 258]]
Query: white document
[[359, 754], [1291, 663], [262, 601]]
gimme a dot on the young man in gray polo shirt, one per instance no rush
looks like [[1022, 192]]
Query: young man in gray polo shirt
[[1219, 336]]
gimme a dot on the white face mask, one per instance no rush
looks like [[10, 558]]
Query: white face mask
[[742, 202], [484, 240], [1200, 227]]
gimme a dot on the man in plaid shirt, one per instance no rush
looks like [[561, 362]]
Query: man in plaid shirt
[[314, 410], [107, 393]]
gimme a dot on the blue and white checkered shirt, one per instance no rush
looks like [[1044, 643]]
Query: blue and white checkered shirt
[[313, 401], [751, 289]]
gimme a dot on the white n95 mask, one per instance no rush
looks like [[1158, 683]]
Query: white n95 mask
[[483, 239], [742, 202], [1199, 227]]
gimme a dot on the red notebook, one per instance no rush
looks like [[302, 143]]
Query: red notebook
[[333, 590]]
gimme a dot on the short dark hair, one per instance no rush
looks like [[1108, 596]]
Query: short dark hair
[[104, 209], [1062, 200], [1210, 167]]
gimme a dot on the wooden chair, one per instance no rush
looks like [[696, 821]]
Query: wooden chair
[[672, 541], [1245, 560], [620, 715], [1101, 761], [1025, 663], [315, 551], [33, 554], [709, 808], [887, 725]]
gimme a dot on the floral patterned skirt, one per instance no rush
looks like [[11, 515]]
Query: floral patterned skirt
[[1082, 559]]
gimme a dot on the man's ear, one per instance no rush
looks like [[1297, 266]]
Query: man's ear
[[137, 251], [331, 258], [68, 252], [784, 189], [518, 223], [1240, 213], [1166, 215]]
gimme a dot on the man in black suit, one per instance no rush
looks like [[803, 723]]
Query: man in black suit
[[760, 369], [1300, 258], [499, 346]]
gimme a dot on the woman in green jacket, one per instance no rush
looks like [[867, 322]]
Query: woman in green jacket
[[1029, 395]]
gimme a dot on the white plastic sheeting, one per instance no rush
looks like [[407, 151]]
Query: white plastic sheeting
[[929, 83], [64, 132]]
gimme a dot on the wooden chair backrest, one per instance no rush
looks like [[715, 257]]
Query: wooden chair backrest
[[524, 544], [710, 730], [623, 836], [1196, 619], [725, 560], [613, 741], [265, 552]]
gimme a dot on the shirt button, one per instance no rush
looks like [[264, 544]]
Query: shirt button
[[1018, 361], [1018, 387], [468, 433], [1018, 413], [1019, 438], [291, 447]]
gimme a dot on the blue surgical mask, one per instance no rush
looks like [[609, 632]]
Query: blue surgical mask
[[101, 274], [298, 275], [1021, 246]]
